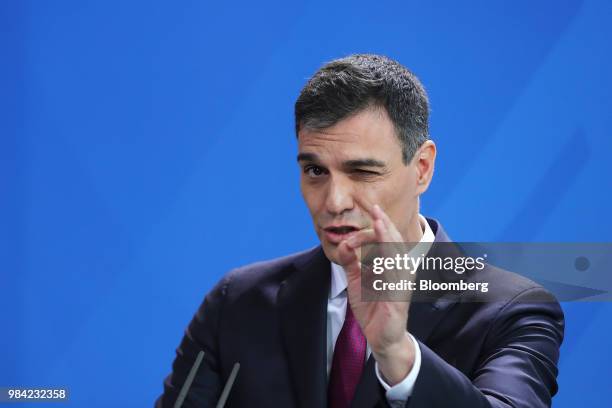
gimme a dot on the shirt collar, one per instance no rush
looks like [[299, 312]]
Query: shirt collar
[[338, 276]]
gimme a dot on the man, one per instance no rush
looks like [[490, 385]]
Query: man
[[299, 327]]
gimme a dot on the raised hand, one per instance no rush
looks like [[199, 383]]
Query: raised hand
[[383, 323]]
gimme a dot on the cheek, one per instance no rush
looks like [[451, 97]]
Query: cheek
[[385, 193], [398, 199], [375, 193], [312, 198]]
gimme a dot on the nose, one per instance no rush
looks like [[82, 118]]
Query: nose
[[339, 196]]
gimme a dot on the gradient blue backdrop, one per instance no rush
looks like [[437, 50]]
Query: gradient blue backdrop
[[147, 147]]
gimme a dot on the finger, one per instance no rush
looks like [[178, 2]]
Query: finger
[[392, 234], [385, 229], [381, 215], [389, 232], [375, 212], [367, 206], [361, 237], [381, 230], [346, 254]]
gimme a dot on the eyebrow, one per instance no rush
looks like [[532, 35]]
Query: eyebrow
[[367, 162], [353, 163], [310, 157]]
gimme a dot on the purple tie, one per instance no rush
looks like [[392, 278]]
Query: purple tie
[[348, 362]]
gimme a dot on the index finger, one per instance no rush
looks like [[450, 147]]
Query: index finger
[[367, 206], [373, 213]]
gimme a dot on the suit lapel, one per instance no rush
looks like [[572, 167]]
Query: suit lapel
[[369, 392], [302, 301], [426, 312], [423, 318]]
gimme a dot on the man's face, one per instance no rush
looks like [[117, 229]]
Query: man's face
[[356, 161]]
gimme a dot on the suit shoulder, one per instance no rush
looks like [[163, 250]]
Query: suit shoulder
[[505, 286], [265, 274]]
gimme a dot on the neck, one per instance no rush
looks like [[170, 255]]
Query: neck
[[414, 232]]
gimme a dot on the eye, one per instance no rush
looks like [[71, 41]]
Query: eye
[[313, 171]]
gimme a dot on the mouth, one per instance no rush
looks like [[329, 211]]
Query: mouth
[[337, 234]]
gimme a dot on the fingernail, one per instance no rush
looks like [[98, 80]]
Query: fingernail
[[377, 209]]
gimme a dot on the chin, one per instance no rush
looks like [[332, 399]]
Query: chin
[[331, 251]]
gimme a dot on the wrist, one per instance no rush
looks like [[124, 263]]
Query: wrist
[[396, 361]]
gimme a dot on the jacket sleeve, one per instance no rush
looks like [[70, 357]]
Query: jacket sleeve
[[517, 366], [201, 334]]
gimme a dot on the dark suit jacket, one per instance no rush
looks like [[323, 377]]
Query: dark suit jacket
[[271, 318]]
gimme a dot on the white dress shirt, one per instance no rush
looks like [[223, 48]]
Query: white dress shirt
[[336, 310]]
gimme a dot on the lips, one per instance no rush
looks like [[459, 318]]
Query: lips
[[337, 233]]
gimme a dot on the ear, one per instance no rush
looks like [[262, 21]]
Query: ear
[[425, 158]]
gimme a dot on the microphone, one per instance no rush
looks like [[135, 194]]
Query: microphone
[[189, 380], [192, 373], [228, 386]]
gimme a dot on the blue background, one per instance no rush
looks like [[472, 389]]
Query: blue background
[[147, 147]]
